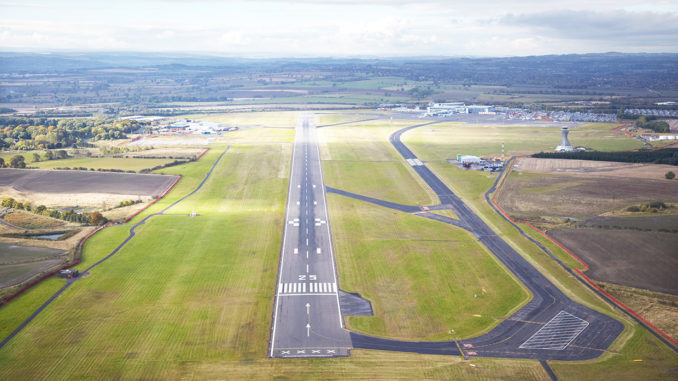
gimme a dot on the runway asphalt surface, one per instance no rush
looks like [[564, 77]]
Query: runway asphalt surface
[[307, 320]]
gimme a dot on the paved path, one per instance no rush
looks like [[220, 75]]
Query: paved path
[[307, 319]]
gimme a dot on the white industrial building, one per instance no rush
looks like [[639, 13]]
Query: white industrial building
[[451, 108]]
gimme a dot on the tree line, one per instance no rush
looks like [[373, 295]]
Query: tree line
[[18, 133], [19, 161], [650, 123], [660, 156], [93, 218]]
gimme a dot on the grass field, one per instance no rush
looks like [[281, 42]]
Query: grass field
[[397, 260], [173, 292], [446, 140], [175, 303], [390, 181], [636, 342], [657, 307], [358, 158], [31, 220], [122, 163], [404, 264]]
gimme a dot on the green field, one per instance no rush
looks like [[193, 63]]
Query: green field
[[446, 140], [358, 158], [127, 164], [174, 292], [176, 303], [403, 263]]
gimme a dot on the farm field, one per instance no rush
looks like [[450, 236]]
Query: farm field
[[27, 220], [170, 153], [12, 274], [84, 181], [81, 188], [633, 258], [530, 196], [122, 163]]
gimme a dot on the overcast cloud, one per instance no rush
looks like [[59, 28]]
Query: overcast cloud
[[341, 27]]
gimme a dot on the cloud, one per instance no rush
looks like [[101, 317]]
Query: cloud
[[24, 5], [621, 27], [344, 28]]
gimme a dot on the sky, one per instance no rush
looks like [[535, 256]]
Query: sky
[[341, 28]]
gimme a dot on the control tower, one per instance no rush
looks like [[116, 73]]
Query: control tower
[[564, 145]]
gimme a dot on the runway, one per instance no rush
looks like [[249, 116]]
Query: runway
[[307, 319], [550, 327]]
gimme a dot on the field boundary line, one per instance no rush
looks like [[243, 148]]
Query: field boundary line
[[578, 270], [157, 199], [619, 128]]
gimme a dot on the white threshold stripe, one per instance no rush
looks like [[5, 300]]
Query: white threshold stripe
[[313, 287]]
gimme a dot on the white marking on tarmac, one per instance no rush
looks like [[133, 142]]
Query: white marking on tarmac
[[299, 288], [557, 334]]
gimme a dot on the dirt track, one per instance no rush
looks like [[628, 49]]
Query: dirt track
[[47, 181]]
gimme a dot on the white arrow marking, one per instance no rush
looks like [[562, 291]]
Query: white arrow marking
[[308, 308], [308, 330]]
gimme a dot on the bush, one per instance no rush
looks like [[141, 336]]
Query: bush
[[670, 175], [656, 205]]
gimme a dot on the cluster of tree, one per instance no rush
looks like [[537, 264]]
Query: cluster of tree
[[19, 161], [44, 133], [128, 203], [649, 122], [16, 161], [170, 164], [660, 156], [421, 92], [98, 169], [93, 218], [653, 207]]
